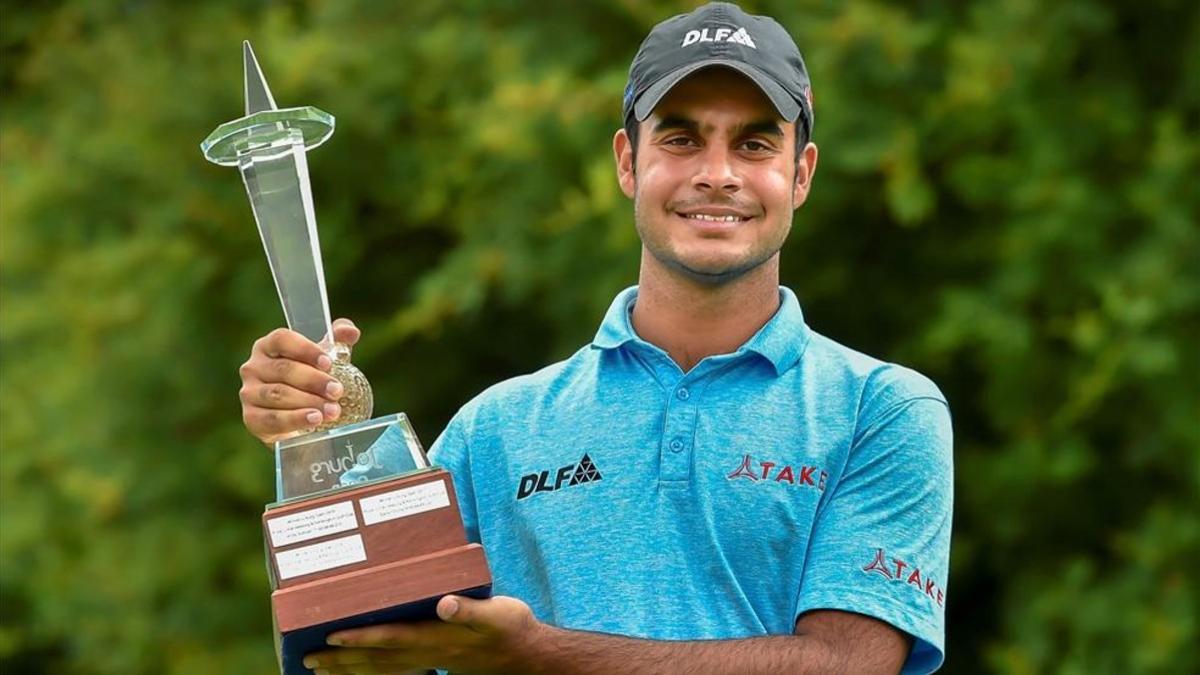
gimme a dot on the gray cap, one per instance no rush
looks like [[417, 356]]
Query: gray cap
[[720, 34]]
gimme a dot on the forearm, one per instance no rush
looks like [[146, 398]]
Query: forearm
[[582, 653]]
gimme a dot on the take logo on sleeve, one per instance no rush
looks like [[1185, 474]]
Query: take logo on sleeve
[[773, 472], [583, 471], [895, 569]]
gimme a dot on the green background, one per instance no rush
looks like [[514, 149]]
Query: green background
[[1007, 200]]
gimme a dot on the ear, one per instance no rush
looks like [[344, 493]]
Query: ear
[[805, 168], [623, 154]]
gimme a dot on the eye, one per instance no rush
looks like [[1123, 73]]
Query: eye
[[756, 146], [681, 141]]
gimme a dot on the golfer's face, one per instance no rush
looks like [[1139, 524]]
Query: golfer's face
[[715, 179]]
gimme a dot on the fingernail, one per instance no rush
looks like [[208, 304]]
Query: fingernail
[[310, 662], [451, 607], [324, 363], [332, 410], [334, 389], [335, 641], [313, 417]]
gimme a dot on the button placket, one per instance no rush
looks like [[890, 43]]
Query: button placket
[[679, 432], [678, 445]]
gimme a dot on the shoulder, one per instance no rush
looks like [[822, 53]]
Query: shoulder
[[873, 385], [896, 420], [510, 407], [521, 397]]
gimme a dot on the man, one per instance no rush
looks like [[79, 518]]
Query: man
[[709, 486]]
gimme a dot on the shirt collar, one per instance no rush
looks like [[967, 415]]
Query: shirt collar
[[617, 327], [781, 340]]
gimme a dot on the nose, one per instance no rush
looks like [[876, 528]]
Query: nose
[[715, 171]]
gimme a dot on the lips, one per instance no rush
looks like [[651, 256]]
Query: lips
[[719, 218], [715, 218], [714, 213]]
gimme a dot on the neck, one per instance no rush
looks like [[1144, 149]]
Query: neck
[[691, 320]]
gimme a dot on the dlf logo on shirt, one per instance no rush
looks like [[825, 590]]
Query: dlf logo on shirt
[[572, 474], [740, 36]]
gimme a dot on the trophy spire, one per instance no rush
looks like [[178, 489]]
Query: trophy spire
[[269, 147], [258, 94]]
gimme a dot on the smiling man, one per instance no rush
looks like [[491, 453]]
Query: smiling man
[[710, 486]]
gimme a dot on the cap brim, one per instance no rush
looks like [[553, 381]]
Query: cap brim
[[788, 107]]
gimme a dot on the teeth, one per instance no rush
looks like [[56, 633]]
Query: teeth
[[713, 219]]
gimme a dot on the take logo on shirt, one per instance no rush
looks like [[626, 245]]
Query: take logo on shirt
[[773, 472], [895, 569]]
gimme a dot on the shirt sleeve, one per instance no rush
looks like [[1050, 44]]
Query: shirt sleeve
[[881, 542], [451, 452]]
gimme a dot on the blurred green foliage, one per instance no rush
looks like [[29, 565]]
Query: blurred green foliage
[[1007, 200]]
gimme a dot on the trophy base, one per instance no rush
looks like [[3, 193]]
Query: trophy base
[[451, 571], [298, 643], [383, 551]]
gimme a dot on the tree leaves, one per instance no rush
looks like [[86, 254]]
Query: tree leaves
[[1006, 201]]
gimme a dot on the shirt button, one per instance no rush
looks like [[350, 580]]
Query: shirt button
[[676, 445], [682, 393]]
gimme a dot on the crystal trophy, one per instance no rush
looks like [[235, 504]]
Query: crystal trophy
[[363, 529]]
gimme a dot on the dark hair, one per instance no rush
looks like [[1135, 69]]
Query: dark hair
[[631, 130]]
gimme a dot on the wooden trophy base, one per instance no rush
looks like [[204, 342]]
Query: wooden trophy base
[[383, 552]]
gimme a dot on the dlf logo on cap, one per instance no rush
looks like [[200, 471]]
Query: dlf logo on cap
[[739, 36]]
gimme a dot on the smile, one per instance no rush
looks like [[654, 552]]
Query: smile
[[714, 219]]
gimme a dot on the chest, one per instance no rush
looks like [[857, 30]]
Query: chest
[[667, 473]]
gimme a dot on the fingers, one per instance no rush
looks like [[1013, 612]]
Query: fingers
[[279, 396], [440, 644], [272, 410], [286, 344], [419, 635], [286, 387], [365, 662], [295, 374], [269, 425], [384, 635]]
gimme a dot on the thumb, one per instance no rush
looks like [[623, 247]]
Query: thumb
[[457, 609], [346, 332], [494, 613]]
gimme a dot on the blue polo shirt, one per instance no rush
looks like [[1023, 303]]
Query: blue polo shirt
[[613, 492]]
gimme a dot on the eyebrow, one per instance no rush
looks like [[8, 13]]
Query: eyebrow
[[767, 127], [676, 122]]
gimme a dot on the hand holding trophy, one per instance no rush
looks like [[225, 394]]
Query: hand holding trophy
[[363, 530], [286, 384]]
